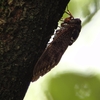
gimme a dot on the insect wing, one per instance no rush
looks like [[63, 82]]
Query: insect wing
[[53, 53]]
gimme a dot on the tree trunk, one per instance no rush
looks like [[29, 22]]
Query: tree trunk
[[25, 29]]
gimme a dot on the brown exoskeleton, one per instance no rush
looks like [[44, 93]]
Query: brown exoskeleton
[[65, 36]]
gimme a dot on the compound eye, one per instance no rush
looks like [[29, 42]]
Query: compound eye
[[67, 20]]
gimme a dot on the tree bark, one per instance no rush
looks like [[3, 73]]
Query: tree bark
[[25, 29]]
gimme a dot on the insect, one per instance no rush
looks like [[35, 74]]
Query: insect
[[65, 36]]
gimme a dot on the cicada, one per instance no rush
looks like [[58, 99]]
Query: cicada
[[65, 36]]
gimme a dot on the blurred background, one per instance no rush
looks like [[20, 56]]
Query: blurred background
[[77, 76]]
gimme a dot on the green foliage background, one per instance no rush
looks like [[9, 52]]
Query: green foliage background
[[73, 86], [67, 85]]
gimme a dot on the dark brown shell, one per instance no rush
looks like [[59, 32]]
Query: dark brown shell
[[64, 37]]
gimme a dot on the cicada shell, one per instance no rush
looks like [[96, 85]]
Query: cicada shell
[[65, 36]]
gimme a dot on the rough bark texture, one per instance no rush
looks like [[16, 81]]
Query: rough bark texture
[[25, 28]]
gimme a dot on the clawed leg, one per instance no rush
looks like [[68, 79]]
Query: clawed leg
[[68, 12]]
